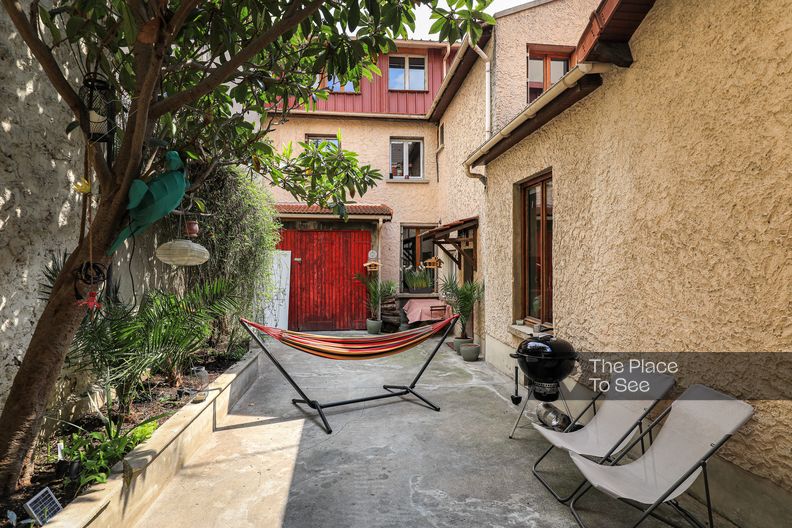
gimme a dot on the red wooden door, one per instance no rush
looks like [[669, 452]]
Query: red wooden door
[[324, 294]]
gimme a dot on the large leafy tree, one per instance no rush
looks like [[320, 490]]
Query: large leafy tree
[[188, 75]]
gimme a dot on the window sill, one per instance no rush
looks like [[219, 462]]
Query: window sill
[[418, 295], [524, 332], [407, 180], [398, 90], [521, 331]]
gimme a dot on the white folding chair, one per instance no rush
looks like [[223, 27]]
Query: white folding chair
[[616, 421], [697, 425]]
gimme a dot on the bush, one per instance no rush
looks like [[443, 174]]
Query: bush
[[99, 451], [240, 231]]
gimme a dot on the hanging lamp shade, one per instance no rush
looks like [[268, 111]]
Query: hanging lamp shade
[[182, 253]]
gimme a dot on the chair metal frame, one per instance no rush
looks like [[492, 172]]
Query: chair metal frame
[[638, 424], [393, 391], [650, 511]]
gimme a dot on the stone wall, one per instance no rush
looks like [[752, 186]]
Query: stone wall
[[39, 210], [671, 203]]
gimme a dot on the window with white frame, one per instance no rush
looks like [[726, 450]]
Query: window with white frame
[[406, 159], [406, 72]]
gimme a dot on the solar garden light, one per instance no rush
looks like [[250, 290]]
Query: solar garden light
[[200, 374]]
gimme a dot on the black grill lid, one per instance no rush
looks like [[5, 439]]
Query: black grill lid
[[545, 346]]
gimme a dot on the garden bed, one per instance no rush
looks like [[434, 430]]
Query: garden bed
[[158, 398]]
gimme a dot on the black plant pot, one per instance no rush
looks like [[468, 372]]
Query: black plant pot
[[68, 468]]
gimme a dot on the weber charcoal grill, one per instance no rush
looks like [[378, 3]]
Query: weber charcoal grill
[[546, 361]]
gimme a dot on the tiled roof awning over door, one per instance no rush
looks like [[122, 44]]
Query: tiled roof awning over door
[[297, 210], [466, 237]]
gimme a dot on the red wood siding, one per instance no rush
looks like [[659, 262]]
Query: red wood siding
[[375, 98], [324, 294]]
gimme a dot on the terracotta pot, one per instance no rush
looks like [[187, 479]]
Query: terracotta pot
[[191, 228]]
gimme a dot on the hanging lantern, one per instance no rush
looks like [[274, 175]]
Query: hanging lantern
[[97, 96], [182, 253]]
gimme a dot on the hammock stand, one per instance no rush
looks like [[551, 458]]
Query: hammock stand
[[350, 348]]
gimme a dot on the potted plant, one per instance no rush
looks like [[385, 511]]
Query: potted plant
[[376, 292], [463, 299], [418, 279]]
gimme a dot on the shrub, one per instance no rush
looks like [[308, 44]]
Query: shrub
[[240, 231], [376, 292], [462, 299]]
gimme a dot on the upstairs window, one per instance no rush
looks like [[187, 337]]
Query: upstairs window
[[546, 66], [318, 140], [335, 85], [406, 159], [407, 73]]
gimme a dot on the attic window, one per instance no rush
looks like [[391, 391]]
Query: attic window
[[546, 65]]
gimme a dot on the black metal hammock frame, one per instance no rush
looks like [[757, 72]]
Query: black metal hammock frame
[[352, 348]]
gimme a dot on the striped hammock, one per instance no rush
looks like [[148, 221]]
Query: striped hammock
[[346, 348]]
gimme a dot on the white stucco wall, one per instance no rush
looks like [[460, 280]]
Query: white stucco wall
[[39, 209]]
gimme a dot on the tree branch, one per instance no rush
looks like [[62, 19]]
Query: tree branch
[[53, 72], [223, 72], [148, 65], [179, 18]]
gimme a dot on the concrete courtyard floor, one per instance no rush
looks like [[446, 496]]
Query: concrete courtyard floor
[[389, 463]]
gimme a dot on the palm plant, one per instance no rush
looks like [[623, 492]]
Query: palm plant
[[462, 299], [165, 332], [377, 291], [175, 327]]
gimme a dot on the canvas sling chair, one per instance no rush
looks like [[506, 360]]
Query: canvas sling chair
[[617, 419], [695, 427], [352, 348]]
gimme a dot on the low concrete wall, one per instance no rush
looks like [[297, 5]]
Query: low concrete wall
[[141, 476]]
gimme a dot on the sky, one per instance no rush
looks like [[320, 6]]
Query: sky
[[423, 23]]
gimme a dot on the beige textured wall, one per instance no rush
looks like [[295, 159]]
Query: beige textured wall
[[560, 22], [412, 203], [673, 202], [458, 195]]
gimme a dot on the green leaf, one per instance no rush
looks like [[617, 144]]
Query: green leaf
[[354, 15]]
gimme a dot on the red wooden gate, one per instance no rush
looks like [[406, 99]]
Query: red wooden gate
[[324, 294]]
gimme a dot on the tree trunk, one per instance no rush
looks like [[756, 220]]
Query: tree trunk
[[23, 413]]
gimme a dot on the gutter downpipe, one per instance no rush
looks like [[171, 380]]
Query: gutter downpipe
[[567, 81], [445, 59], [482, 176], [487, 95]]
